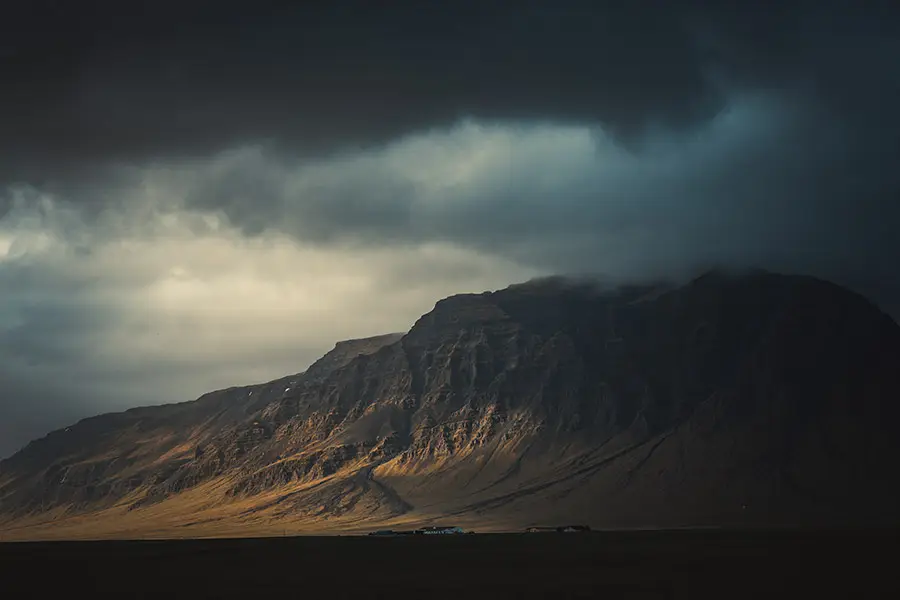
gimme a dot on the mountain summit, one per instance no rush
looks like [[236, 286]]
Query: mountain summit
[[733, 399]]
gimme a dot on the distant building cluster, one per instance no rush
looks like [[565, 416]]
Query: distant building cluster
[[451, 530], [560, 529]]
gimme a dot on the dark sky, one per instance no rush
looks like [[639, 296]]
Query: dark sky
[[201, 194]]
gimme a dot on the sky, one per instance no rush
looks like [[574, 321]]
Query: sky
[[195, 195]]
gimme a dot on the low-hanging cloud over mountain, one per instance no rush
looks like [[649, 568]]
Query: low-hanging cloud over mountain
[[213, 194]]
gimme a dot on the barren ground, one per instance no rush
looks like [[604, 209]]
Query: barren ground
[[636, 564]]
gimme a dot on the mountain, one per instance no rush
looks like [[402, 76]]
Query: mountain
[[734, 399]]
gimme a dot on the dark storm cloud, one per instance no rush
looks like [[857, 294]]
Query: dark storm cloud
[[96, 81], [96, 84]]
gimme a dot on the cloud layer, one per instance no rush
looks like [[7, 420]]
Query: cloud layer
[[97, 81]]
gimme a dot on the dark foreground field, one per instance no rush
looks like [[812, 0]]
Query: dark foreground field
[[603, 565]]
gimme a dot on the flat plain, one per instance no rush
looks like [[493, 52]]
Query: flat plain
[[612, 564]]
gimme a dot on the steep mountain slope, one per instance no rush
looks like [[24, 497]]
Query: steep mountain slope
[[756, 398], [102, 459]]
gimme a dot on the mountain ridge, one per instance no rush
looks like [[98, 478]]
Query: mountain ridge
[[646, 405]]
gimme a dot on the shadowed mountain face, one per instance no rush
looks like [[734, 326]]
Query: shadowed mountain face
[[753, 398]]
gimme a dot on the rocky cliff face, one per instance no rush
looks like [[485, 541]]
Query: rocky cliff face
[[751, 398]]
